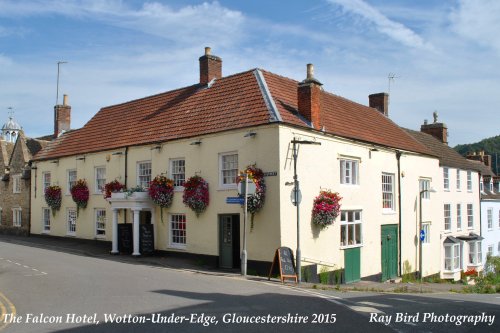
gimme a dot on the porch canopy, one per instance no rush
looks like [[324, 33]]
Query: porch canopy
[[136, 202]]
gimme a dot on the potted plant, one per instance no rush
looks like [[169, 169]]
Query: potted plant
[[53, 198], [255, 202], [326, 208], [80, 194], [161, 191], [196, 194]]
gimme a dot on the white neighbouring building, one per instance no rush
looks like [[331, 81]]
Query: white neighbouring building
[[457, 189]]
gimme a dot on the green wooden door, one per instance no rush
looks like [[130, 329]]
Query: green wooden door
[[225, 241], [352, 264], [389, 241]]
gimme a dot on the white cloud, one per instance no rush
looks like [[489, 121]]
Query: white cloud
[[478, 21], [383, 24]]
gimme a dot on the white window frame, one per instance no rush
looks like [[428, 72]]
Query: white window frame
[[351, 228], [16, 184], [489, 252], [144, 170], [178, 173], [46, 219], [226, 172], [481, 185], [426, 227], [447, 217], [489, 216], [349, 171], [470, 216], [491, 186], [71, 221], [453, 259], [100, 179], [17, 217], [475, 254], [177, 235], [100, 219], [425, 184], [71, 177], [459, 183], [469, 181], [46, 180], [446, 178], [388, 193], [459, 216]]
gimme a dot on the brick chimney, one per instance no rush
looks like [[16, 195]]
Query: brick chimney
[[380, 102], [481, 157], [437, 130], [62, 117], [210, 67], [309, 98]]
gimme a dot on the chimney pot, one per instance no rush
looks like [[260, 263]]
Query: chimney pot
[[310, 71], [65, 99], [207, 50], [425, 121]]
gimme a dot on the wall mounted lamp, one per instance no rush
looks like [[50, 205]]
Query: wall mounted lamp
[[250, 135], [81, 158], [117, 153], [196, 143]]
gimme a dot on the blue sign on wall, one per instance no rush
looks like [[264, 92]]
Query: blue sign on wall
[[422, 235], [235, 200]]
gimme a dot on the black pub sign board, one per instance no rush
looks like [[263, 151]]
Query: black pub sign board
[[283, 259]]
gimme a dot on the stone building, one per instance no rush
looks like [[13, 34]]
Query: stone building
[[16, 151]]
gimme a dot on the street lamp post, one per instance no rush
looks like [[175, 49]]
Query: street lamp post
[[420, 238], [296, 191]]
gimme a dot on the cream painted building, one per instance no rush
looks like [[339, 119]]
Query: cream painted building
[[217, 128]]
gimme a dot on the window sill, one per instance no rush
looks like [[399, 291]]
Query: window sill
[[227, 188], [386, 211], [474, 265], [179, 189], [346, 247], [447, 231], [457, 270], [100, 237], [46, 232], [177, 247], [71, 235]]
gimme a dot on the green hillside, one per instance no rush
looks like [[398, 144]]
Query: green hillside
[[491, 146]]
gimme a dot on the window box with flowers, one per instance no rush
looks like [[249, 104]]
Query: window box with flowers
[[80, 194], [113, 187], [53, 198], [196, 195], [255, 202], [326, 208]]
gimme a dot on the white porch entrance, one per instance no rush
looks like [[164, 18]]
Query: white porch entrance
[[136, 202]]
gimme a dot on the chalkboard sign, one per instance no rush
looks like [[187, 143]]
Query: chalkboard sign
[[146, 239], [283, 258], [125, 238]]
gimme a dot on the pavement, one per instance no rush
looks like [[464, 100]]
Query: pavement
[[101, 250]]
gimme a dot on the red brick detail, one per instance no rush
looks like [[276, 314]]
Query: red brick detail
[[437, 130], [62, 119], [210, 68], [380, 102], [309, 102]]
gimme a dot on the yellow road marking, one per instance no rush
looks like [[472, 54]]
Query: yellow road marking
[[4, 303]]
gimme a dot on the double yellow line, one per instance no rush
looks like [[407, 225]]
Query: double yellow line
[[6, 307]]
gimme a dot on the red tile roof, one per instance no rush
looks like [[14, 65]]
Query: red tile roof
[[232, 102]]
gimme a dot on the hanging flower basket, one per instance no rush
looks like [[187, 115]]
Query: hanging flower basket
[[196, 194], [161, 191], [255, 202], [112, 187], [326, 208], [80, 194], [53, 198]]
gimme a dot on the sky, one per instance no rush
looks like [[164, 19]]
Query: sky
[[442, 55]]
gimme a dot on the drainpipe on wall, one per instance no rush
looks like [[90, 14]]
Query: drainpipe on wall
[[125, 182], [398, 158]]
